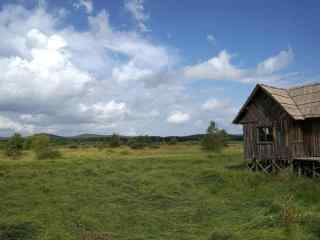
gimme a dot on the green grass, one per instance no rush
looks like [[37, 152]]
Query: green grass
[[175, 192]]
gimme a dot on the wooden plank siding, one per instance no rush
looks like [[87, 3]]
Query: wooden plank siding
[[311, 137], [293, 115], [264, 111]]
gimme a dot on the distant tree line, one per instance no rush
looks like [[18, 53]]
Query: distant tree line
[[125, 140], [39, 143], [45, 146]]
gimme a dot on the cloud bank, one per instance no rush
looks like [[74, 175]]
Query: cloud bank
[[55, 78]]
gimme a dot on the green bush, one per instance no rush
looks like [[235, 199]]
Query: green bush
[[73, 146], [136, 145], [14, 146], [27, 143], [154, 145], [124, 152], [215, 139], [173, 141], [48, 153], [18, 231], [115, 141], [41, 146], [139, 142]]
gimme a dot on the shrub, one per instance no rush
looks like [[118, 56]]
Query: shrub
[[48, 153], [115, 141], [14, 146], [215, 139], [154, 145], [139, 142], [124, 152], [136, 145], [17, 231], [100, 146], [41, 146], [73, 146], [111, 151], [172, 141], [27, 143]]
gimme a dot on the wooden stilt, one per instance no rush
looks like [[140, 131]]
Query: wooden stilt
[[276, 165], [264, 169]]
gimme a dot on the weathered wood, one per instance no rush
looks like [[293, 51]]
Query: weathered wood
[[295, 137]]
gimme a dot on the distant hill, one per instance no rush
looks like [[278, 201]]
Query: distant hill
[[89, 135], [99, 137]]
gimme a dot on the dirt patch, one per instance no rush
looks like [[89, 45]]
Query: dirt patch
[[95, 236]]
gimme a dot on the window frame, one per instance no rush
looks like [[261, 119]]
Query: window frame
[[259, 129]]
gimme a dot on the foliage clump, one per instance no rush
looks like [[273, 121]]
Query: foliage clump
[[215, 139], [14, 146], [24, 230], [139, 142], [173, 141], [155, 145], [42, 148], [115, 141]]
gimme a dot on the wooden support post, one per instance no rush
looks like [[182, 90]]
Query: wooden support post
[[313, 169], [276, 165], [299, 168], [262, 167]]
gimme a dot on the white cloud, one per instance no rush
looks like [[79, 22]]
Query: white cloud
[[137, 10], [220, 67], [222, 107], [211, 39], [44, 72], [276, 63], [129, 72], [86, 4], [105, 111], [178, 117], [216, 68], [125, 82], [36, 39], [215, 104]]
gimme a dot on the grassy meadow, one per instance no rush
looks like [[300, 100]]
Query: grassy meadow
[[174, 192]]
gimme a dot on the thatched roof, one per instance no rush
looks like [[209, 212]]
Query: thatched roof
[[299, 102]]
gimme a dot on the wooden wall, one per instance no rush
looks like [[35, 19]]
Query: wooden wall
[[263, 111], [311, 137]]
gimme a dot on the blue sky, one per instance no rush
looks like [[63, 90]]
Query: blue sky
[[147, 67]]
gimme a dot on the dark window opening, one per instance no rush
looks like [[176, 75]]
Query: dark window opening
[[265, 134]]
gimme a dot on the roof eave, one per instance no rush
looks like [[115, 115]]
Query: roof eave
[[260, 86], [244, 106]]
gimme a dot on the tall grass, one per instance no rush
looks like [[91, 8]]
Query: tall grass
[[172, 192]]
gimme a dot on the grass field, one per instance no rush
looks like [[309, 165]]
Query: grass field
[[175, 192]]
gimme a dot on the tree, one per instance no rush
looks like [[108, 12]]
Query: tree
[[215, 139], [27, 143], [115, 141], [41, 145], [14, 146]]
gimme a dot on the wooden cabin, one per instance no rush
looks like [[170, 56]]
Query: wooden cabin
[[281, 127]]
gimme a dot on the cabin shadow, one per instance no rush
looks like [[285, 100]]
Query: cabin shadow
[[281, 129]]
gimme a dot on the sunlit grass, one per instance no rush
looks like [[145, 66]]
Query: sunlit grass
[[174, 192]]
